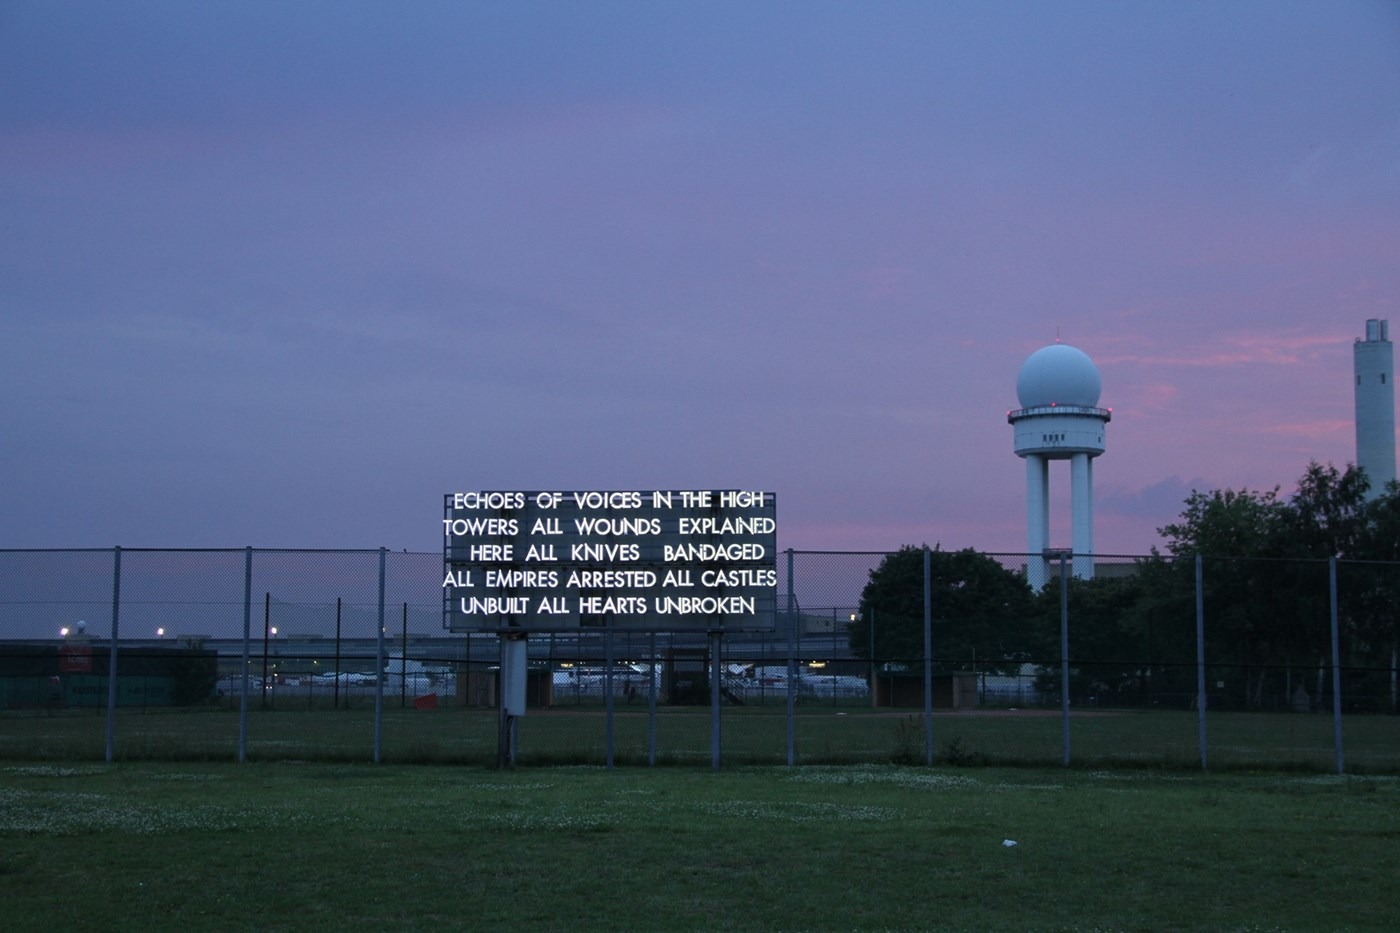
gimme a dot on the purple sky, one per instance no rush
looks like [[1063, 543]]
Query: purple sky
[[283, 274]]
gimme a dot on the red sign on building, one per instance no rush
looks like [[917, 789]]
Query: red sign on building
[[74, 659]]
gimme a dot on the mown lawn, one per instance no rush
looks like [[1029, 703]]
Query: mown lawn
[[342, 846], [682, 735]]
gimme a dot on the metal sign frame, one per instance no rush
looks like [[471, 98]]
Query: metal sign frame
[[543, 561]]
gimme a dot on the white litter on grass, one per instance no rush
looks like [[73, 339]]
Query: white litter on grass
[[1008, 842]]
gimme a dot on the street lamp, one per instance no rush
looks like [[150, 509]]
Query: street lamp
[[160, 633], [871, 674], [267, 631]]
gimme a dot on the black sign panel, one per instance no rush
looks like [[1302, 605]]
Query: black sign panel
[[697, 560]]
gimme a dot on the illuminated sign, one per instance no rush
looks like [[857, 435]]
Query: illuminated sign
[[649, 561]]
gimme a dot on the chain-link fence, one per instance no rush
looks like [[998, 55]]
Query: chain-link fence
[[912, 656]]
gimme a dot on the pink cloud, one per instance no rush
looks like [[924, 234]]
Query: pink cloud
[[883, 281], [1312, 430], [1158, 395], [1268, 349]]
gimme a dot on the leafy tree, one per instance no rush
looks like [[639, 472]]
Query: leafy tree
[[1379, 538], [1108, 641], [1327, 516], [1165, 614], [1266, 596], [1265, 577], [1227, 523], [1242, 534], [194, 672], [1370, 586], [979, 609]]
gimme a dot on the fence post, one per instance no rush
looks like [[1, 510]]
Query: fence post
[[335, 696], [1201, 659], [1336, 663], [403, 659], [791, 668], [651, 702], [112, 653], [928, 656], [716, 687], [247, 632], [379, 669], [1064, 657]]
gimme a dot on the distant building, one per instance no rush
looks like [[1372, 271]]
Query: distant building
[[1374, 364]]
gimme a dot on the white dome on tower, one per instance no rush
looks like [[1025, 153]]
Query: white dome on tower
[[1058, 375]]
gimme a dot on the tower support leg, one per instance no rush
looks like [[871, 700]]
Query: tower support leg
[[1082, 514], [1037, 518]]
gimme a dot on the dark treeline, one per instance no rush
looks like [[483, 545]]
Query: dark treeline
[[1265, 570]]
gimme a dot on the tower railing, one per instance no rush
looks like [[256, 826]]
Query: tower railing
[[1104, 413]]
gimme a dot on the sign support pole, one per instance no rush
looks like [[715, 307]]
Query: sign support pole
[[504, 758], [514, 671], [609, 701]]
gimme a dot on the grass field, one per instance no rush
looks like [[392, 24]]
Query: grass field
[[316, 846], [823, 735]]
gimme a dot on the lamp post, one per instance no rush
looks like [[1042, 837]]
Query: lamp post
[[872, 655], [870, 676], [267, 630]]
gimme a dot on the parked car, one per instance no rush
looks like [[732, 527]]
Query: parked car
[[233, 686], [832, 685], [346, 678], [628, 681]]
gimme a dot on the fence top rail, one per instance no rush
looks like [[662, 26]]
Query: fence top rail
[[1068, 556], [206, 550], [942, 550], [874, 553], [1288, 560], [1054, 557]]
